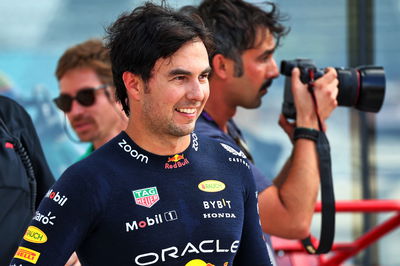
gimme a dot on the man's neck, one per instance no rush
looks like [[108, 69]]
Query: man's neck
[[217, 106], [116, 130], [155, 143]]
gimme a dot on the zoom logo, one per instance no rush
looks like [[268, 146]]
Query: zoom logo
[[134, 153]]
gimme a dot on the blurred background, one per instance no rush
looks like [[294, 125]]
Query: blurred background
[[365, 147]]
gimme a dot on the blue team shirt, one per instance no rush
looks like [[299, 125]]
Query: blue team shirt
[[125, 206]]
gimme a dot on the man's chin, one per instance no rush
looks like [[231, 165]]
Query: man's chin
[[254, 104], [182, 131], [84, 137]]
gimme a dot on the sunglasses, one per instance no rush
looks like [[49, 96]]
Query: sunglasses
[[85, 97]]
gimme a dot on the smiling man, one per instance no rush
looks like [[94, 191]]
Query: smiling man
[[156, 194]]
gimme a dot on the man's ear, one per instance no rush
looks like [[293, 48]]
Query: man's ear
[[221, 66], [133, 84]]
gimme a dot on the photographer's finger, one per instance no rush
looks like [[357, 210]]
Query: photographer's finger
[[336, 90], [330, 73], [296, 78]]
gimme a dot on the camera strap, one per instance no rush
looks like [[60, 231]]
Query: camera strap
[[328, 210]]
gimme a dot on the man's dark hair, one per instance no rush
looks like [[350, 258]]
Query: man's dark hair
[[235, 24], [138, 39]]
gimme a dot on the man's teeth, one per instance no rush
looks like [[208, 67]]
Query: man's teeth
[[187, 111]]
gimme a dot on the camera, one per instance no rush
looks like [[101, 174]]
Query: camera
[[362, 87]]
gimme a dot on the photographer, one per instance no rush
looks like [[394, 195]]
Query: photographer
[[242, 69]]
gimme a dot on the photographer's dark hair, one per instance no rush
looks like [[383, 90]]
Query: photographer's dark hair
[[234, 24], [150, 32]]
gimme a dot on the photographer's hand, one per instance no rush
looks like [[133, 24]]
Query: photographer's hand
[[325, 91], [287, 126]]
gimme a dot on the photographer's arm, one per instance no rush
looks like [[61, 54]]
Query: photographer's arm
[[287, 207]]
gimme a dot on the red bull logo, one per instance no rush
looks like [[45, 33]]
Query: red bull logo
[[198, 262], [176, 161], [176, 158]]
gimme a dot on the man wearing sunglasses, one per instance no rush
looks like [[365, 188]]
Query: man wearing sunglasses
[[87, 93]]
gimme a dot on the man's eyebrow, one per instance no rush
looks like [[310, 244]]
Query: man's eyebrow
[[207, 70], [267, 53], [179, 71]]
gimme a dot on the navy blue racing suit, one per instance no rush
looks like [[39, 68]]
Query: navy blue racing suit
[[125, 206]]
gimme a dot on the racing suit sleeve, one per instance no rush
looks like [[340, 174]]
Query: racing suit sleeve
[[64, 218], [252, 249]]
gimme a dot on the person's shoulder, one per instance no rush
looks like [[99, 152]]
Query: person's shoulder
[[7, 101], [9, 108], [14, 115], [102, 158], [224, 150], [208, 128]]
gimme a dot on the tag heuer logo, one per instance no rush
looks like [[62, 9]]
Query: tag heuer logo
[[146, 197]]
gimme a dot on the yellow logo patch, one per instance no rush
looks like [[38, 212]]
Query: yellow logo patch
[[27, 255], [35, 235], [211, 186]]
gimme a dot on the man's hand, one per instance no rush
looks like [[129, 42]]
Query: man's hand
[[325, 91], [73, 260], [287, 126]]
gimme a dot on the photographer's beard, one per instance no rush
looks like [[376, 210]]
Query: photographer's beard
[[266, 85], [262, 91]]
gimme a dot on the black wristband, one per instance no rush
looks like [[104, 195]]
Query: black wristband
[[305, 133]]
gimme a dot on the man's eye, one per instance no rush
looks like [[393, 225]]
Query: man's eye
[[179, 77], [204, 76], [266, 58]]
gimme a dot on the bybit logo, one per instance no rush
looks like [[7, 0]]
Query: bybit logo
[[216, 206]]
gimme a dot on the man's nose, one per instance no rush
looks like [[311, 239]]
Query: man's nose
[[272, 70], [76, 108], [196, 91]]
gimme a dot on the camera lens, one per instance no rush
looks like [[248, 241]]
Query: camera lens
[[372, 93], [362, 87]]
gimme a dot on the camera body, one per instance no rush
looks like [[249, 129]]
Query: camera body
[[362, 87]]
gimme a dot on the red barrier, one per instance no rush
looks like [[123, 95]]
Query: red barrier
[[343, 251]]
